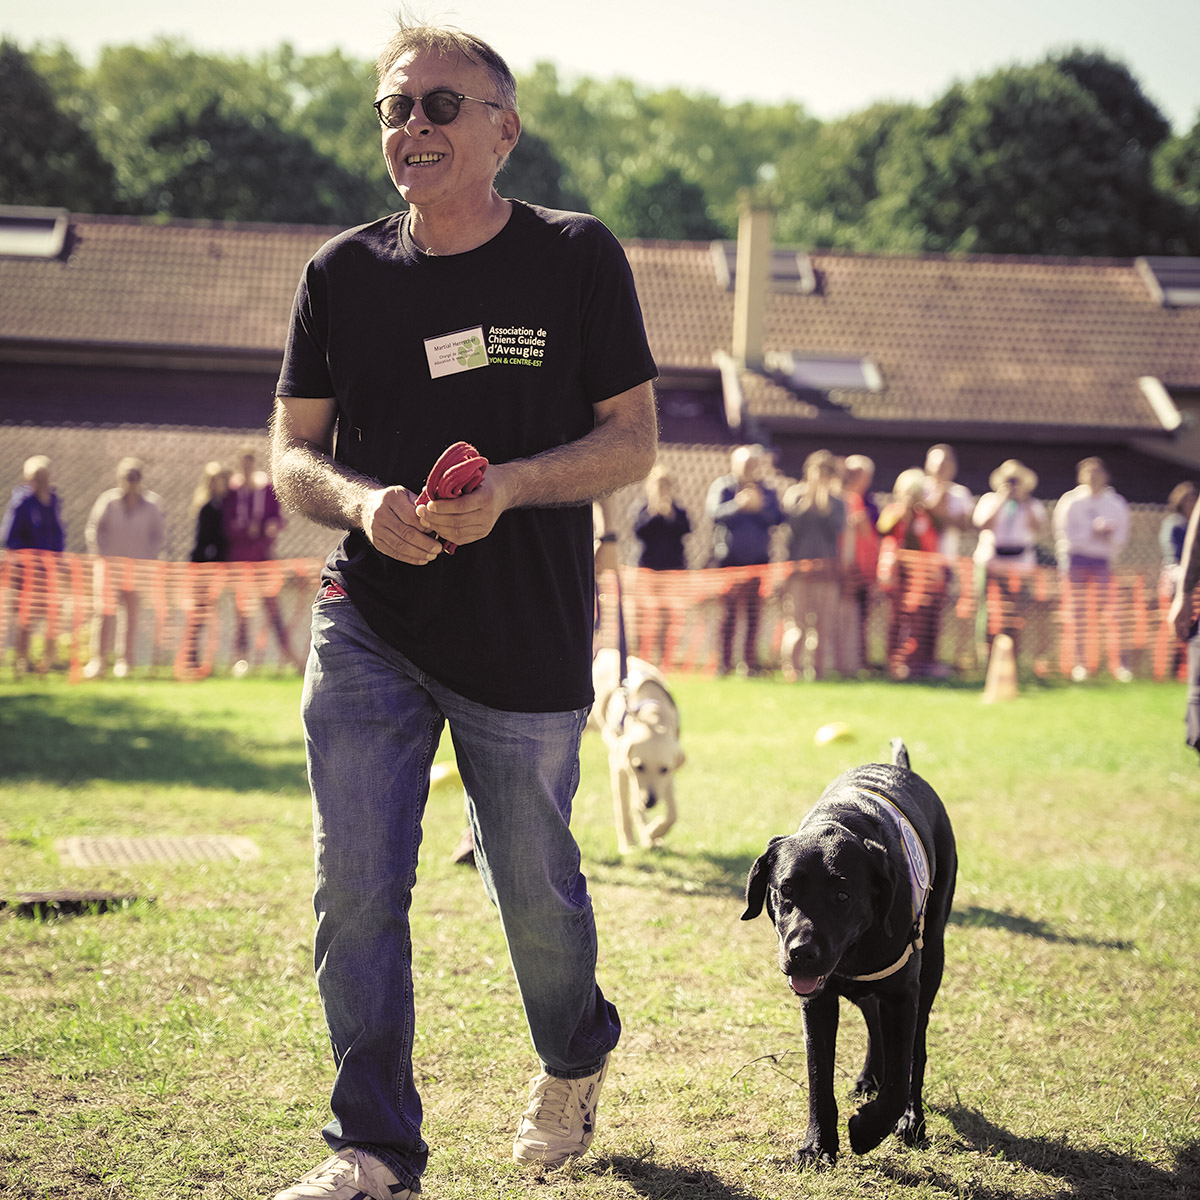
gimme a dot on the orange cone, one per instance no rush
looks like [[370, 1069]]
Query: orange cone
[[1001, 683]]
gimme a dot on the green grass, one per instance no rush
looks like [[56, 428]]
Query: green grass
[[176, 1048]]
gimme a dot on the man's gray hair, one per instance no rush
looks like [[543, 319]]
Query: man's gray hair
[[414, 38]]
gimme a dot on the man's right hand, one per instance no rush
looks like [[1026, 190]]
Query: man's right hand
[[390, 521]]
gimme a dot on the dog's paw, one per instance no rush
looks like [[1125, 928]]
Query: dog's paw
[[813, 1156], [868, 1127], [910, 1129]]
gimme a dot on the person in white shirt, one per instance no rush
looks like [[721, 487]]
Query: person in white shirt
[[1010, 520], [949, 506], [1091, 526], [125, 522]]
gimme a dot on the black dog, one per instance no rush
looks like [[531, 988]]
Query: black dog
[[860, 894]]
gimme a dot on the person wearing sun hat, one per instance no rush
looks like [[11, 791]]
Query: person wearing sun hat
[[1010, 520]]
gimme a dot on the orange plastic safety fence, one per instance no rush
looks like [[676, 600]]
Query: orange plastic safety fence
[[84, 614]]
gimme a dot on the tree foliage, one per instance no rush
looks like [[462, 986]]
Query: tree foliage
[[1067, 156], [229, 166], [663, 205], [47, 157]]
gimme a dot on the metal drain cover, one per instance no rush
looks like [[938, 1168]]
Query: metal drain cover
[[132, 851]]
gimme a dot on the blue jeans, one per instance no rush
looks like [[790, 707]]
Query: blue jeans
[[372, 722]]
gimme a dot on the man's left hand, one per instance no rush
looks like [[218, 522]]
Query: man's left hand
[[470, 518]]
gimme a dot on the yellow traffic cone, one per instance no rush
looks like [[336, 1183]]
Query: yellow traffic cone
[[1001, 683]]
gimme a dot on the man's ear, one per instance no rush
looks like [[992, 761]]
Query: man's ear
[[508, 133]]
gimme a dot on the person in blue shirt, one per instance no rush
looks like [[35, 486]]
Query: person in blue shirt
[[33, 518], [743, 510], [33, 521]]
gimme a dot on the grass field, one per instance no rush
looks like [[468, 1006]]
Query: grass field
[[175, 1048]]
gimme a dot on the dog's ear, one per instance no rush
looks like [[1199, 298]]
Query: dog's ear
[[756, 881], [680, 759], [889, 879]]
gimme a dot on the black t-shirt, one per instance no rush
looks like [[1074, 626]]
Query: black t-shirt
[[507, 347]]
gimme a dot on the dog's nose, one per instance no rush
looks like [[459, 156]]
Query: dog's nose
[[651, 799], [801, 959]]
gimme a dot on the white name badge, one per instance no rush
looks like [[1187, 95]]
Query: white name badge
[[450, 353]]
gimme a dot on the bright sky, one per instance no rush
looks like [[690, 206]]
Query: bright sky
[[834, 58]]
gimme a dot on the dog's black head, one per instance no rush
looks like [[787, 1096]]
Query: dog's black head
[[825, 888]]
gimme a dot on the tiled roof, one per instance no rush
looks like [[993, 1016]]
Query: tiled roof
[[688, 315], [188, 284], [994, 339], [974, 339]]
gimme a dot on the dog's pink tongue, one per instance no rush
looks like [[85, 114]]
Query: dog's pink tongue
[[805, 985]]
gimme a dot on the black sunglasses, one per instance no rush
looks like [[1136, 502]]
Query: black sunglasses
[[441, 107]]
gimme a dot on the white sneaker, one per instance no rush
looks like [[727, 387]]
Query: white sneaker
[[1123, 675], [1079, 674], [240, 668], [560, 1120], [94, 668], [351, 1174], [120, 668]]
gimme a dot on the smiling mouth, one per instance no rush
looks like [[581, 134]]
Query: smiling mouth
[[426, 159]]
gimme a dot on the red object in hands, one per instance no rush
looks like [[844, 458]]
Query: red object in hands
[[457, 472]]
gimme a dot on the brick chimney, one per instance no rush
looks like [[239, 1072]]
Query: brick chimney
[[751, 282]]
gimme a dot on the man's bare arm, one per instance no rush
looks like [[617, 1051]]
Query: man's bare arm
[[309, 481], [619, 450]]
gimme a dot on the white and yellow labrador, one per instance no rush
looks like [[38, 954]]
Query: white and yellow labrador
[[640, 726]]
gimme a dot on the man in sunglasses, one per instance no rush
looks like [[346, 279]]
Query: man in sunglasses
[[469, 317]]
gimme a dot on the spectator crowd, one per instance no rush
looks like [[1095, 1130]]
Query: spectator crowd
[[854, 549]]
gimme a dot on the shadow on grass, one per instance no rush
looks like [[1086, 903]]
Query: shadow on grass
[[120, 740], [666, 870], [1083, 1172], [656, 1182], [974, 917]]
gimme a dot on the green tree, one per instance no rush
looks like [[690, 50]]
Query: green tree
[[1118, 94], [825, 184], [663, 204], [227, 166], [133, 91], [1024, 161], [47, 158], [1177, 173], [331, 106], [1178, 165], [534, 173], [613, 136]]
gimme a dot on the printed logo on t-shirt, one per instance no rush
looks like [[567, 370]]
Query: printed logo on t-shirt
[[452, 353], [516, 346]]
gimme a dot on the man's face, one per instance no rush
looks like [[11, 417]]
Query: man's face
[[1093, 476], [435, 164]]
